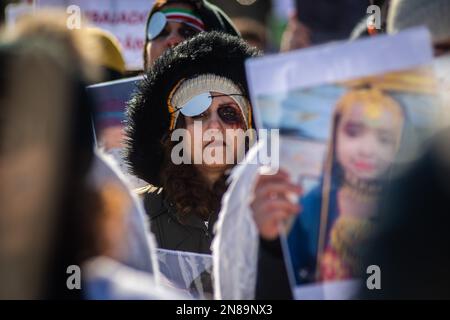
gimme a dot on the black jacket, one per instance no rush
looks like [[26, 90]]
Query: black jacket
[[190, 234], [272, 282]]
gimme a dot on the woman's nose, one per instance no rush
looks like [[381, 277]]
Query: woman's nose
[[173, 39], [214, 121], [368, 146]]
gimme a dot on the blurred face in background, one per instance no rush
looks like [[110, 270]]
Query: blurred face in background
[[172, 34], [33, 137]]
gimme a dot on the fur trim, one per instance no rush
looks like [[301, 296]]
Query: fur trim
[[148, 119]]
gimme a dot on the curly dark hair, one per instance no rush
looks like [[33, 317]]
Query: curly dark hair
[[188, 190]]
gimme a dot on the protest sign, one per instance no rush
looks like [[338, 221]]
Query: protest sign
[[14, 11], [111, 100], [186, 271], [125, 19], [348, 114]]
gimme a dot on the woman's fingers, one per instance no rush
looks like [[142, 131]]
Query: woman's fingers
[[276, 186], [271, 205], [278, 181], [278, 210], [280, 175], [270, 229], [277, 189]]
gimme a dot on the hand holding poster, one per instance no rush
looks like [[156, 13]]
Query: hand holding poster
[[348, 115]]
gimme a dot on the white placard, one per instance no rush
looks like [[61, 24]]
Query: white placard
[[125, 19], [186, 272]]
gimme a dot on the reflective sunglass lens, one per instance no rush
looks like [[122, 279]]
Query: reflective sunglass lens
[[156, 25], [197, 105]]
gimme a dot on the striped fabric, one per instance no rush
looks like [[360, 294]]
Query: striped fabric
[[184, 16]]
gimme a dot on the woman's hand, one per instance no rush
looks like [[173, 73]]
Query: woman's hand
[[271, 205]]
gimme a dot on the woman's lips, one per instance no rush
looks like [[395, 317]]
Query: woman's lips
[[364, 166]]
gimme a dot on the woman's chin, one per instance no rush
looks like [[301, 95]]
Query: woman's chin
[[215, 166]]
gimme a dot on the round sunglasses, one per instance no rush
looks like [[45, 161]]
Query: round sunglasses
[[196, 107], [157, 25]]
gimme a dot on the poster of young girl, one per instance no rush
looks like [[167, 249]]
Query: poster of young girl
[[348, 115]]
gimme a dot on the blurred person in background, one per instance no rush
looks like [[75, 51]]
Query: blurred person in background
[[51, 24], [173, 21], [258, 10], [99, 49], [251, 20], [32, 152], [252, 31], [45, 159], [70, 47], [317, 22], [363, 29], [62, 204], [110, 58], [412, 247], [3, 6]]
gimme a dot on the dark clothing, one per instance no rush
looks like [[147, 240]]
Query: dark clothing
[[330, 20], [258, 11], [412, 244], [173, 232], [304, 235], [272, 280], [194, 236]]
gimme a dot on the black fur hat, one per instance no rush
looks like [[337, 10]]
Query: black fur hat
[[148, 118]]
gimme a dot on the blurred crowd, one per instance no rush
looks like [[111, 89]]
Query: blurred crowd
[[64, 201]]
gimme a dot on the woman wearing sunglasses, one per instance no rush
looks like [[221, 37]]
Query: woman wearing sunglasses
[[173, 21], [196, 88]]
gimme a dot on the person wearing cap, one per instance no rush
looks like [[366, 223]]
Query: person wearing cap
[[110, 54], [173, 21], [200, 82]]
